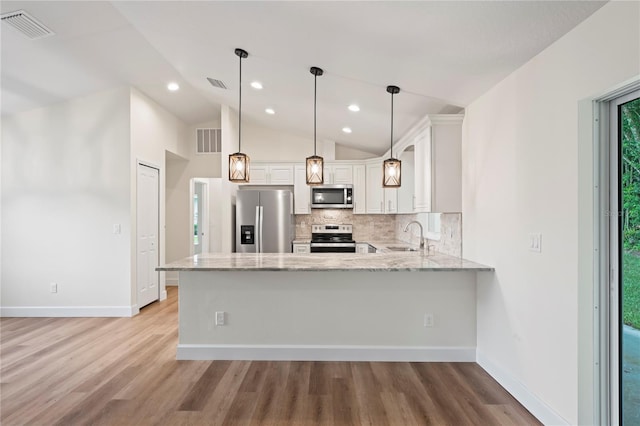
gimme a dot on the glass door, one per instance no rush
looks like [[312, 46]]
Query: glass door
[[625, 295]]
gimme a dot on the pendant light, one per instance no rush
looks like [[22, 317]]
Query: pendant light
[[391, 166], [315, 163], [239, 162]]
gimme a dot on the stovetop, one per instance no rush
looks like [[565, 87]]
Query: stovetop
[[331, 233]]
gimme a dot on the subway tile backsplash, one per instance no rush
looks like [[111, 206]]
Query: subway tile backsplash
[[366, 227], [385, 227]]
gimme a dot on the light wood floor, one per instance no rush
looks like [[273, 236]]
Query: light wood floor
[[122, 371]]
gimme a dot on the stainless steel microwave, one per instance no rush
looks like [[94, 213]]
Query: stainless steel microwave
[[332, 197]]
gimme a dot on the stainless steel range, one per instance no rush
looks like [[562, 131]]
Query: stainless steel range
[[332, 239]]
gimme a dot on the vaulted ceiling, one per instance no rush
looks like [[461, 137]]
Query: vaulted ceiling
[[442, 55]]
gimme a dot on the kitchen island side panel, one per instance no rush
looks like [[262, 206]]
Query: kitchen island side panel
[[329, 309]]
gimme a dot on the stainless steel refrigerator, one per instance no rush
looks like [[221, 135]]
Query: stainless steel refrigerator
[[264, 221]]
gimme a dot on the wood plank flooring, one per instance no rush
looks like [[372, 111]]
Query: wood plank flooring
[[122, 371]]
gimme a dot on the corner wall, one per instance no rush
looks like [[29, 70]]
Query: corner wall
[[520, 165], [65, 183], [155, 134]]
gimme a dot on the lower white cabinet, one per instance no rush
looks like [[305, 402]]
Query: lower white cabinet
[[301, 247], [364, 248]]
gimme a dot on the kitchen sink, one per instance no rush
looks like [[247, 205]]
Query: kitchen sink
[[401, 248]]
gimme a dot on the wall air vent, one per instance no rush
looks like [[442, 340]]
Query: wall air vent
[[208, 141], [29, 26], [217, 83]]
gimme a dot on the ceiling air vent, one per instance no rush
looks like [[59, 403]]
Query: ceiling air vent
[[29, 26], [208, 141], [217, 83]]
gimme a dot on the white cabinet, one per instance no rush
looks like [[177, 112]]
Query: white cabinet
[[271, 174], [301, 248], [338, 174], [359, 189], [406, 192], [364, 248], [438, 165], [379, 200], [301, 191]]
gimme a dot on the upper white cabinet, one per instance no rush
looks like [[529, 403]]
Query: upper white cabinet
[[359, 189], [271, 174], [301, 191], [338, 174], [406, 192], [438, 165], [379, 200]]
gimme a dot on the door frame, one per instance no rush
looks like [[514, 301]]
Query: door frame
[[606, 274], [161, 290], [205, 213]]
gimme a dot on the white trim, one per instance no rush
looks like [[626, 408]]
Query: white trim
[[163, 295], [515, 387], [68, 311], [325, 353]]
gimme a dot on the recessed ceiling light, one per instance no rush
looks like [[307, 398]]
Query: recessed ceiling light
[[256, 85], [354, 108], [173, 86], [269, 111], [346, 129]]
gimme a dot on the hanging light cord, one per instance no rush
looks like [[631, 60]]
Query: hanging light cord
[[240, 107], [391, 125], [315, 92]]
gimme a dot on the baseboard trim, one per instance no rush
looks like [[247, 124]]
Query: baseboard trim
[[325, 353], [171, 282], [68, 311], [515, 387]]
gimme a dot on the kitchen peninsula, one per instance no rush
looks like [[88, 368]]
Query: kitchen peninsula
[[385, 306]]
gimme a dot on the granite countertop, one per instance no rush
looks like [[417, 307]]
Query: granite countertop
[[381, 261]]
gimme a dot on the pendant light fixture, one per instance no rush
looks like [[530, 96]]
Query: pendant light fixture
[[239, 162], [315, 163], [391, 166]]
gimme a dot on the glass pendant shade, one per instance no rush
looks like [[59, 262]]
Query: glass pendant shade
[[315, 170], [239, 167], [391, 168], [392, 173]]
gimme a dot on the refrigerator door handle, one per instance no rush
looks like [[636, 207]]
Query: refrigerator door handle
[[258, 231], [261, 220]]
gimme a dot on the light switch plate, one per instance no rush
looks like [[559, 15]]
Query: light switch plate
[[535, 242]]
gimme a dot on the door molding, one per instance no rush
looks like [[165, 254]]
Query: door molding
[[135, 308], [606, 254]]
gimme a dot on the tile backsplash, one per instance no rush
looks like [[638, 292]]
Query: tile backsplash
[[385, 227], [450, 241], [366, 227]]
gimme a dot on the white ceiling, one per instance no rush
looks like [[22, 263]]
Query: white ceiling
[[442, 55]]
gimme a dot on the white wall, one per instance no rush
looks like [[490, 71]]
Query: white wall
[[520, 165], [180, 170], [65, 183], [154, 131]]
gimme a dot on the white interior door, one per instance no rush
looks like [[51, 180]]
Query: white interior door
[[148, 213]]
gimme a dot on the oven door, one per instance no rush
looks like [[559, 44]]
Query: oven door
[[333, 247]]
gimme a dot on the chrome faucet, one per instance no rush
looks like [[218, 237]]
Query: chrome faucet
[[406, 228]]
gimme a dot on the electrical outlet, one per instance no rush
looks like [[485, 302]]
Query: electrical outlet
[[428, 320], [117, 229], [53, 287], [220, 318]]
